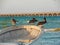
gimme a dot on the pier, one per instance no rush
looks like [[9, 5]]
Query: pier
[[34, 14]]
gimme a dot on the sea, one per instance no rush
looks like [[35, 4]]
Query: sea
[[46, 38]]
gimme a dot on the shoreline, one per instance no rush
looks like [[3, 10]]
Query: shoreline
[[33, 14]]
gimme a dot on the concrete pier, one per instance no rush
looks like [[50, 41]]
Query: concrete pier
[[34, 13]]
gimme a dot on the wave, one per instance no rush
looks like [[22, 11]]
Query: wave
[[52, 30], [54, 21], [51, 38]]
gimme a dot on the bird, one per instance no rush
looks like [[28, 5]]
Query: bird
[[42, 22], [33, 20], [13, 21]]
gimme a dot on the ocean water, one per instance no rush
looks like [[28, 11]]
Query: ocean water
[[46, 38]]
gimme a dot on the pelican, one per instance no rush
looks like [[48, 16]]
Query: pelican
[[42, 22], [33, 20], [13, 21]]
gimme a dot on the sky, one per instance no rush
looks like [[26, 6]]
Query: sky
[[24, 6]]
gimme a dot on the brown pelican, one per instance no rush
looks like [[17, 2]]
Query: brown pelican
[[33, 20], [42, 22], [13, 21]]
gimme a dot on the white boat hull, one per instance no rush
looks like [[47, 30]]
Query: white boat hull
[[24, 34]]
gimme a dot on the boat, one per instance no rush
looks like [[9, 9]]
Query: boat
[[24, 34]]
